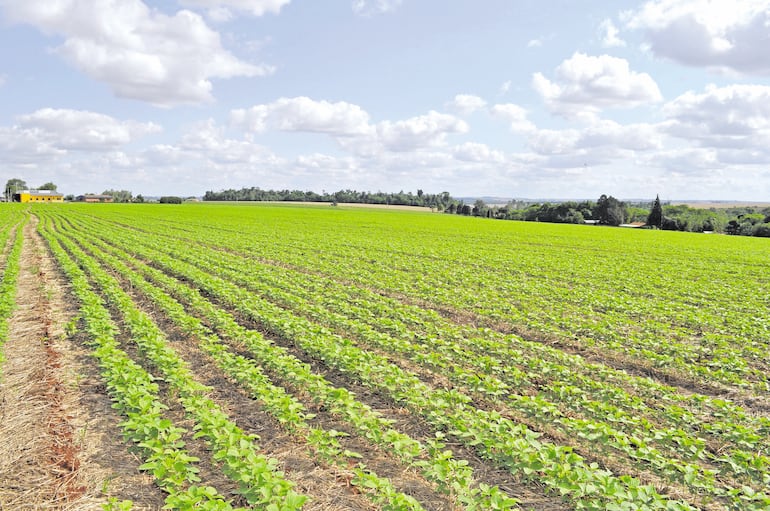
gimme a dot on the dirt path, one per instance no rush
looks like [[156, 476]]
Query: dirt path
[[60, 447]]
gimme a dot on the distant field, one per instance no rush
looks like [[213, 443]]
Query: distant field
[[357, 358], [722, 204], [353, 205]]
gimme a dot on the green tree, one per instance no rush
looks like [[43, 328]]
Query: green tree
[[119, 195], [47, 186], [139, 199], [655, 217], [479, 208], [12, 186], [610, 211]]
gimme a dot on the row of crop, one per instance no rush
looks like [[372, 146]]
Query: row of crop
[[636, 443], [259, 482], [511, 445], [650, 390], [464, 368], [478, 364], [452, 477], [569, 312], [549, 303], [571, 391], [287, 410], [135, 395], [8, 283]]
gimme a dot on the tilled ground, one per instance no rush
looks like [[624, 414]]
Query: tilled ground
[[60, 447]]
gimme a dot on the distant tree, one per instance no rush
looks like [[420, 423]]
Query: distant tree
[[47, 186], [14, 185], [139, 199], [655, 217], [479, 208], [170, 200], [69, 198], [610, 211], [761, 230], [119, 195]]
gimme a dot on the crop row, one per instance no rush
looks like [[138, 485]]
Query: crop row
[[12, 235], [135, 395], [488, 373], [259, 481], [453, 477], [518, 285], [508, 444], [637, 444]]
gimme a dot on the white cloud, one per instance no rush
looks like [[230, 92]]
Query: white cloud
[[254, 7], [733, 117], [514, 115], [21, 147], [585, 85], [371, 7], [601, 143], [466, 104], [722, 35], [429, 130], [304, 114], [609, 33], [634, 137], [139, 52], [504, 88], [475, 152], [80, 130], [349, 125], [534, 43], [55, 144]]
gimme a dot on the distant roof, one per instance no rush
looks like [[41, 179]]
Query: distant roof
[[39, 192]]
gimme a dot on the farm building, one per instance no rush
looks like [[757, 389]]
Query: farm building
[[38, 196], [92, 197]]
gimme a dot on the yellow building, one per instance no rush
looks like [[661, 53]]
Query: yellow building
[[37, 196]]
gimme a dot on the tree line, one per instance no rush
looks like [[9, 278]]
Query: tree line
[[606, 210], [439, 201]]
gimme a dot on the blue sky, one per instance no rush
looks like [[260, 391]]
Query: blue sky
[[546, 99]]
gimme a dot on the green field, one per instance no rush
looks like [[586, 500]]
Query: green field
[[420, 361]]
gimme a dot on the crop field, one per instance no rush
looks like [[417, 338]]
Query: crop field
[[284, 357]]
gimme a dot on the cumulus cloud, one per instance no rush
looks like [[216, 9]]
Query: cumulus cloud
[[466, 104], [429, 130], [514, 115], [609, 34], [371, 7], [206, 140], [475, 152], [349, 125], [81, 130], [139, 52], [67, 143], [602, 143], [735, 116], [723, 35], [304, 114], [254, 7], [585, 85]]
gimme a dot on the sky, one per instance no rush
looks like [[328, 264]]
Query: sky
[[565, 99]]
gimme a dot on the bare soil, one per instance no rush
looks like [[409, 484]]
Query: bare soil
[[60, 447]]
